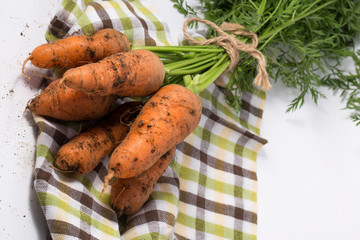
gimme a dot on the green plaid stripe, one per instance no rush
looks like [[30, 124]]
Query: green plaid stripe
[[125, 22], [224, 143], [160, 30], [52, 200], [209, 190]]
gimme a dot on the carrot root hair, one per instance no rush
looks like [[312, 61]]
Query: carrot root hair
[[127, 112], [59, 170], [117, 197]]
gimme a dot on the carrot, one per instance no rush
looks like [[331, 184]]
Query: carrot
[[63, 103], [166, 119], [84, 152], [128, 195], [78, 50], [136, 73]]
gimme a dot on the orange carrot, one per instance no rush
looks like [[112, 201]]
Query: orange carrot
[[78, 50], [84, 152], [128, 195], [63, 103], [166, 119], [136, 73]]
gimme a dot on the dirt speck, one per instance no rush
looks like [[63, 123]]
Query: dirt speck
[[22, 33]]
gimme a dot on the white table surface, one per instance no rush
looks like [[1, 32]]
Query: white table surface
[[308, 173]]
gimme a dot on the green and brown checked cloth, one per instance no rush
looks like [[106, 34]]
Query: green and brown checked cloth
[[210, 189]]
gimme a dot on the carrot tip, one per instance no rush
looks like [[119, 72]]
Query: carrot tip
[[23, 68], [107, 178], [59, 170], [40, 75]]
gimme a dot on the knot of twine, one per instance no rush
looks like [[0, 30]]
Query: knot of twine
[[233, 45]]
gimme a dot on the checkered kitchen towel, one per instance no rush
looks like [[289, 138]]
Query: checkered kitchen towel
[[210, 189]]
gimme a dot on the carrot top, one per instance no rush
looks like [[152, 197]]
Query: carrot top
[[199, 65]]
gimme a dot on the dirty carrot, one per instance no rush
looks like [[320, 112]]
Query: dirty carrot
[[128, 195], [85, 151], [166, 119], [135, 73], [63, 103], [78, 50]]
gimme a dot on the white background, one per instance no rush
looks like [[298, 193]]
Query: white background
[[308, 173]]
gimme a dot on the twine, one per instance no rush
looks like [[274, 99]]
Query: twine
[[233, 45]]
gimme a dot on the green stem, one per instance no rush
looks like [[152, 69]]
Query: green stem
[[268, 19], [220, 62], [201, 82], [192, 70], [168, 61], [174, 80], [200, 63], [271, 34], [254, 5], [261, 8], [205, 48], [168, 56], [179, 64]]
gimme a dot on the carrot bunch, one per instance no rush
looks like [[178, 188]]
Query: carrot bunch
[[140, 138]]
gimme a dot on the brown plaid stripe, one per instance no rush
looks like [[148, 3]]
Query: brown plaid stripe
[[148, 40], [214, 162], [64, 228], [217, 207]]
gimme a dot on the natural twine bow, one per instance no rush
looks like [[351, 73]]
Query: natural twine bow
[[232, 46]]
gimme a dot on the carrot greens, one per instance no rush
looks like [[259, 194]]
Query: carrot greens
[[304, 42]]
